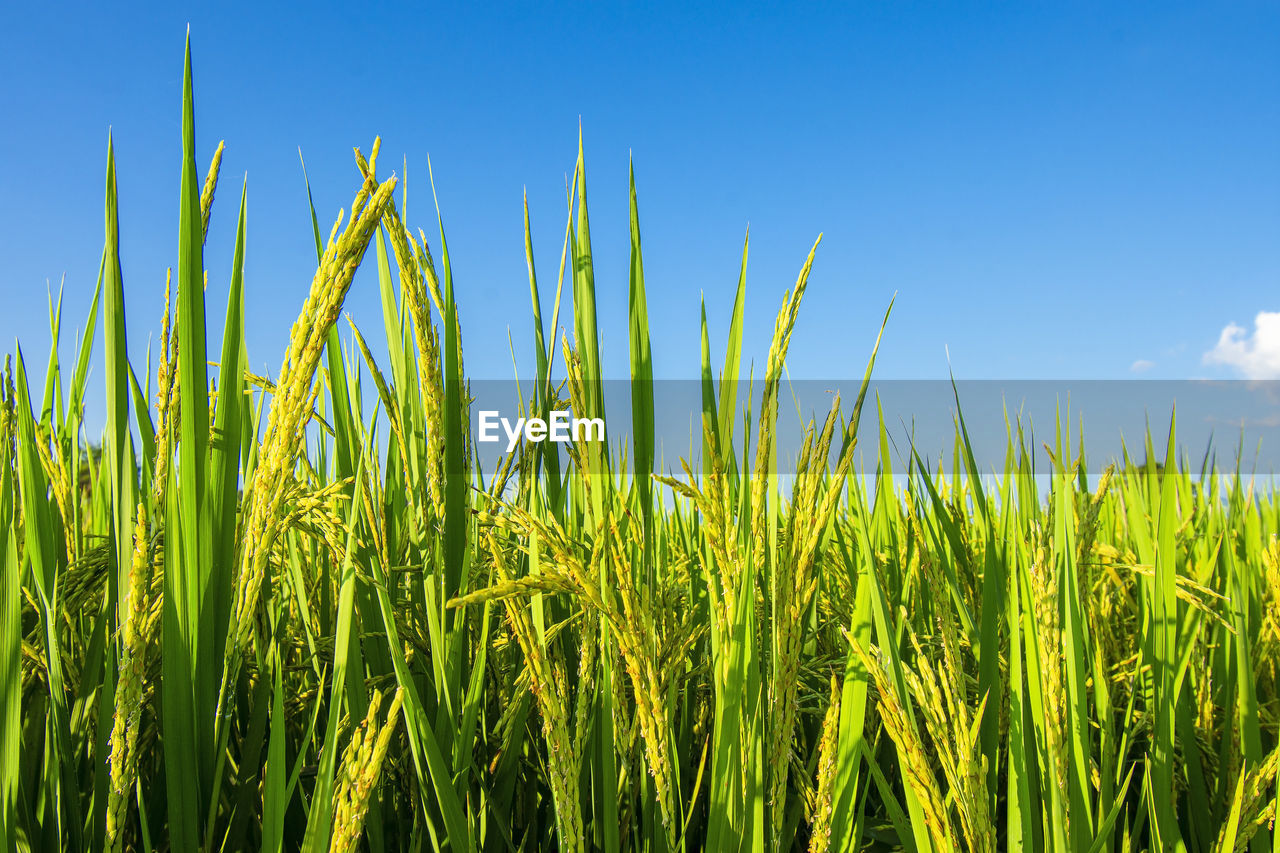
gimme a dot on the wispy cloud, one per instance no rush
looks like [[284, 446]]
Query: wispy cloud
[[1141, 366], [1256, 355]]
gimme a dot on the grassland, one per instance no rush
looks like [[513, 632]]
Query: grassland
[[263, 614]]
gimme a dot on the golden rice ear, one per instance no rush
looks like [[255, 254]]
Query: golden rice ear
[[210, 184], [292, 404], [824, 789], [361, 768]]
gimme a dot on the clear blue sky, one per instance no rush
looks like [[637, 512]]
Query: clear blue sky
[[1053, 190]]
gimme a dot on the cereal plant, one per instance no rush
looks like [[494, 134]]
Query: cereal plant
[[295, 612]]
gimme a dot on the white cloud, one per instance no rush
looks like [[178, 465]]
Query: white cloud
[[1141, 366], [1256, 355]]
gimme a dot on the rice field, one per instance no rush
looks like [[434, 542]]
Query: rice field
[[294, 613]]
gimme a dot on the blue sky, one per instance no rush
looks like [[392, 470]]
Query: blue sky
[[1053, 190]]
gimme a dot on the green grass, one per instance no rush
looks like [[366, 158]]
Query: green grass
[[265, 614]]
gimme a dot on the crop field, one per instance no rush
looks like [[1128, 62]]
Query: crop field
[[294, 612]]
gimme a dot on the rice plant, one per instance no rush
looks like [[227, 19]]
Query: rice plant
[[295, 612]]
